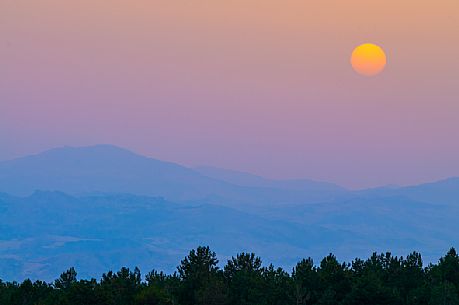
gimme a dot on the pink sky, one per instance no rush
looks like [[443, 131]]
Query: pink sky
[[260, 86]]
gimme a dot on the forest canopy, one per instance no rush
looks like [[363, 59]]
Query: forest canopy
[[244, 280]]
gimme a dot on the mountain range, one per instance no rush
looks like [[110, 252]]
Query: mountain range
[[103, 207]]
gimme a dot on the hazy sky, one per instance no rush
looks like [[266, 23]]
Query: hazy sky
[[261, 86]]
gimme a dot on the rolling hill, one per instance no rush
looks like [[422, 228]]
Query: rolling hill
[[102, 207]]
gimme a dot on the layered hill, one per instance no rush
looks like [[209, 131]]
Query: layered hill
[[102, 207]]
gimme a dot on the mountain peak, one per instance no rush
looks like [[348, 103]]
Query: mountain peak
[[106, 149], [111, 169]]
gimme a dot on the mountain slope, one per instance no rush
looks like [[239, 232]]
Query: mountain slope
[[250, 180], [100, 168], [47, 232], [109, 169], [439, 192]]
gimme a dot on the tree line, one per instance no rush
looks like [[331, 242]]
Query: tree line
[[380, 279]]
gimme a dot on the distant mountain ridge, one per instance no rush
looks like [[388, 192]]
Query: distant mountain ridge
[[109, 169], [250, 180], [101, 168], [444, 191]]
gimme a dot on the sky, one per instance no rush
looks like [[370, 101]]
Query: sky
[[259, 86]]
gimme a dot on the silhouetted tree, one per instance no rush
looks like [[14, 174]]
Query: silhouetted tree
[[243, 275], [67, 279], [196, 272], [278, 288], [120, 288], [306, 282], [333, 279]]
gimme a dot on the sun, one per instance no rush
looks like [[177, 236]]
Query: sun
[[368, 59]]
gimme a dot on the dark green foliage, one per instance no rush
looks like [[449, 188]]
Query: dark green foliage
[[334, 280], [306, 282], [200, 277], [153, 295], [243, 275], [120, 288], [382, 279], [67, 279]]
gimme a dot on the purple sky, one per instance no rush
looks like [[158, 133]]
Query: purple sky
[[259, 86]]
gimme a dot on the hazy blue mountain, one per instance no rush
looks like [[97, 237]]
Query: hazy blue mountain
[[103, 207], [250, 180], [49, 231], [109, 169], [439, 192], [46, 232], [101, 168]]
